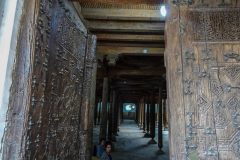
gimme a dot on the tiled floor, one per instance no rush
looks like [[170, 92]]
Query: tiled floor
[[131, 145]]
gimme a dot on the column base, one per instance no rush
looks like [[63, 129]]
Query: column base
[[152, 141], [160, 151], [147, 135]]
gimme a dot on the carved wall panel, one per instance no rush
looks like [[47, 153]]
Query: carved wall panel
[[216, 25], [205, 59]]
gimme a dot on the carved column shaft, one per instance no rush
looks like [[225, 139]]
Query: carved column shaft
[[144, 115], [111, 114], [116, 111], [99, 112], [103, 125], [164, 114], [96, 111], [152, 117], [160, 135]]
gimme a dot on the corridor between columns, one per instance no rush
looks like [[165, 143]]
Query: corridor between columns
[[131, 143]]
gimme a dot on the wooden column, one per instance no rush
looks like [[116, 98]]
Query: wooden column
[[164, 114], [152, 120], [110, 115], [121, 110], [116, 110], [114, 115], [119, 114], [160, 135], [103, 125], [136, 113], [147, 135], [99, 112], [140, 114], [96, 111], [144, 116]]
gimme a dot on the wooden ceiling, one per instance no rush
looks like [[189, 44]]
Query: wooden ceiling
[[130, 4], [130, 43]]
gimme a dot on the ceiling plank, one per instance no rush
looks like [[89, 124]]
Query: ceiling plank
[[122, 14], [116, 50], [130, 38], [116, 72], [125, 26]]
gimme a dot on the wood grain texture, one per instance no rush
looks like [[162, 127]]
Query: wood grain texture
[[17, 115], [209, 71], [50, 108]]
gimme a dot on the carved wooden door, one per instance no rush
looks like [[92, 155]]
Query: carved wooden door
[[62, 73], [203, 41]]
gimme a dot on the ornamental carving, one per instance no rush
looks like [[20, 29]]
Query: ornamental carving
[[216, 25], [232, 71]]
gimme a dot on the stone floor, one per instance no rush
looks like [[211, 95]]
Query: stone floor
[[131, 145]]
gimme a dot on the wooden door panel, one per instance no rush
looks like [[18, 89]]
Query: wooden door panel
[[62, 72], [208, 66]]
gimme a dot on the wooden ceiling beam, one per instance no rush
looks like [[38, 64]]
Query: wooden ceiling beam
[[129, 37], [133, 72], [122, 14], [115, 50], [126, 26], [131, 44]]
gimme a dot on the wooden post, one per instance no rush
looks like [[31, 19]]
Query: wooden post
[[160, 135], [99, 112], [152, 120], [119, 113], [103, 125], [121, 109], [147, 135], [164, 114], [141, 115], [144, 116], [136, 113], [96, 111], [114, 116], [110, 115]]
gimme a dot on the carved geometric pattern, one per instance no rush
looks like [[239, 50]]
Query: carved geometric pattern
[[189, 57], [187, 87], [216, 88], [220, 114], [232, 71], [203, 103], [231, 55], [182, 2], [236, 145], [233, 103], [206, 54], [236, 120], [211, 26]]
